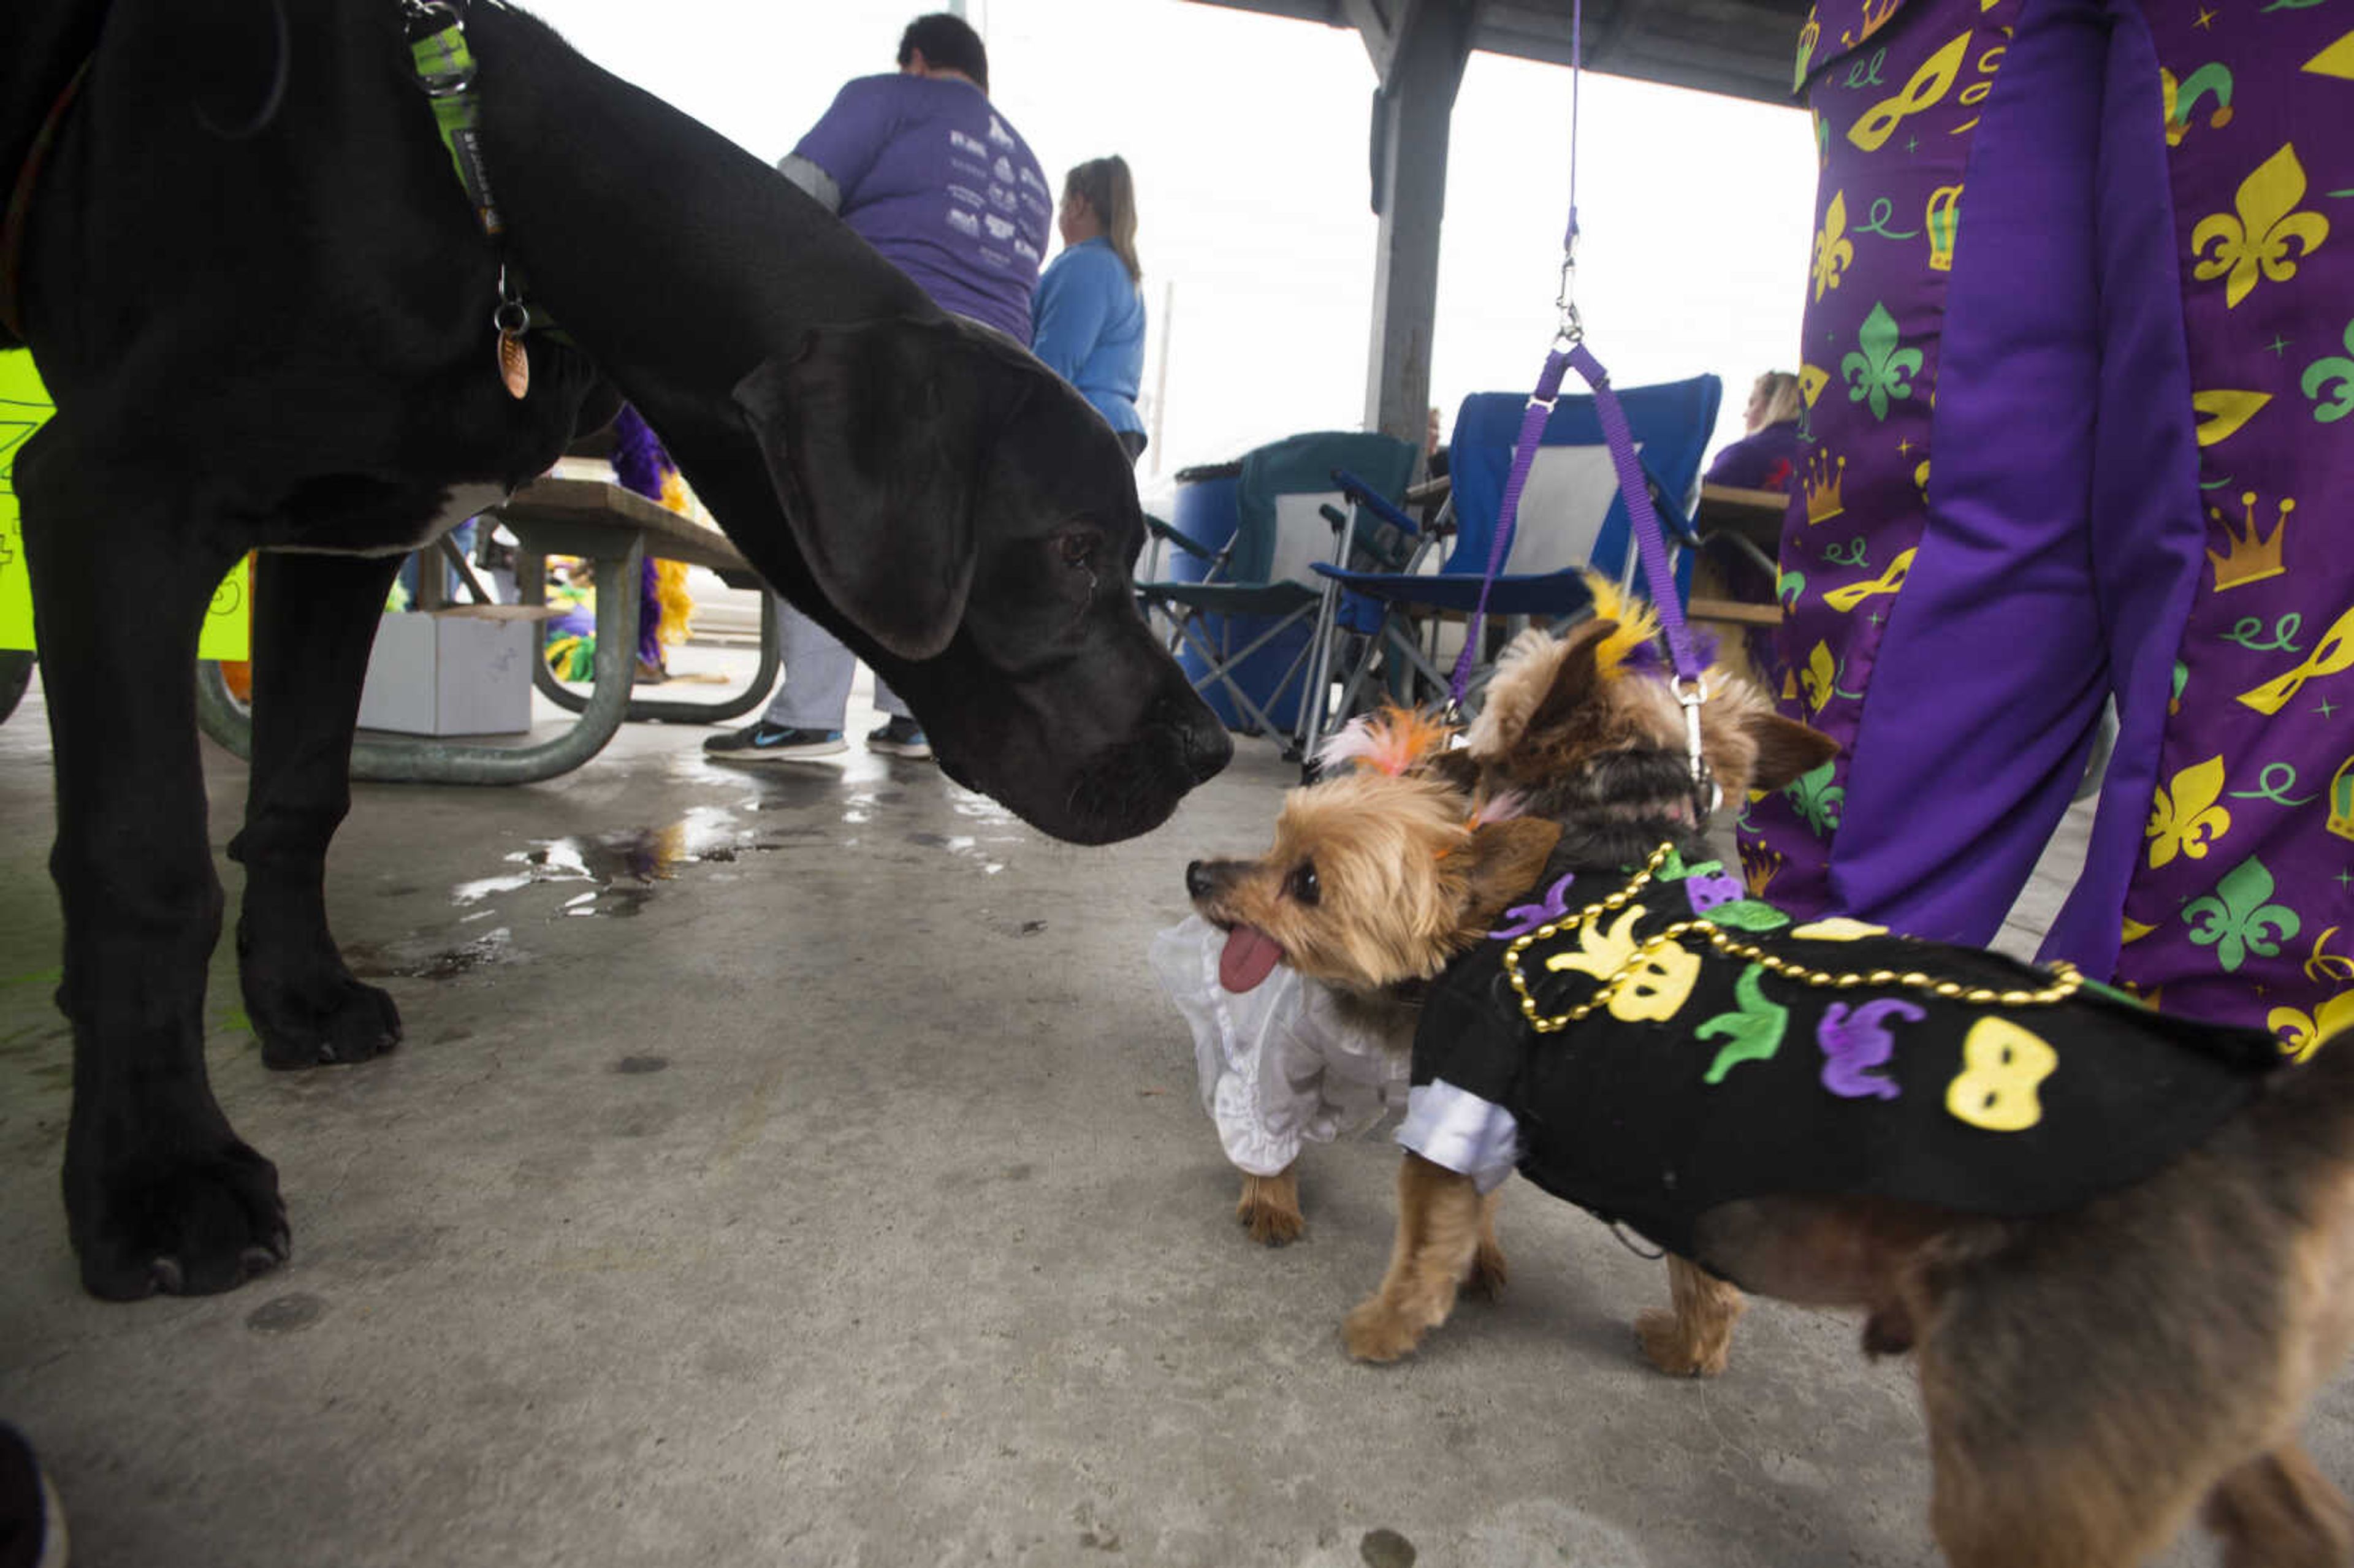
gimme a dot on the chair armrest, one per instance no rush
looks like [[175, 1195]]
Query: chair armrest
[[1168, 534], [1371, 500], [1674, 521]]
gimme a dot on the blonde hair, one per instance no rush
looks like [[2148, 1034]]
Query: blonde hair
[[1104, 184], [1781, 389]]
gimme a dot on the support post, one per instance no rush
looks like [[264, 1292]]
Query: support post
[[1420, 56]]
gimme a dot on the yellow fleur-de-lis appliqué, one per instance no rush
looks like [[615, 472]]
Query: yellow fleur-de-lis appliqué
[[1833, 250], [2254, 242], [2186, 820]]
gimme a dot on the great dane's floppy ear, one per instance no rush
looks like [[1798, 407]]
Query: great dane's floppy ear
[[877, 436]]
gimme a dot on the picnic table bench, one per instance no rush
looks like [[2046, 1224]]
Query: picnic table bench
[[1750, 522], [600, 521]]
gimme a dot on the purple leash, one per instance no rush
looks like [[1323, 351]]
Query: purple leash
[[1651, 542]]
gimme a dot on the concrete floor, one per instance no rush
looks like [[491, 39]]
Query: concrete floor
[[799, 1166]]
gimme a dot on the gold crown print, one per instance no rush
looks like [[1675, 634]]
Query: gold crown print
[[1822, 482], [2251, 559]]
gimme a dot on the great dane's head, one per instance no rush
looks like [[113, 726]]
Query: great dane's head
[[966, 510]]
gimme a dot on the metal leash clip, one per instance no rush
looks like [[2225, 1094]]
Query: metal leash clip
[[1571, 331], [1707, 795]]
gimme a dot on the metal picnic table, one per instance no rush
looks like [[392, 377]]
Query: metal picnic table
[[600, 521]]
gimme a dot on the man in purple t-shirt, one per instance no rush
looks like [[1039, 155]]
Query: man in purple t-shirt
[[921, 166]]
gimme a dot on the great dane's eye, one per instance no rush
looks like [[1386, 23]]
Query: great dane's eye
[[1077, 547], [1302, 885]]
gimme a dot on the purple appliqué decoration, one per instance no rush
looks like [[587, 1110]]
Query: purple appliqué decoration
[[1527, 918], [1853, 1045], [1706, 890]]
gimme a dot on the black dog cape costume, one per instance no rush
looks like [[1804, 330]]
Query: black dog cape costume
[[1666, 1043]]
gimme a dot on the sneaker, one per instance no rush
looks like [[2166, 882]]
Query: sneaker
[[32, 1524], [764, 741], [902, 736]]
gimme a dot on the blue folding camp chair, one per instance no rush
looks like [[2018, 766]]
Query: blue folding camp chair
[[1571, 518], [1247, 634]]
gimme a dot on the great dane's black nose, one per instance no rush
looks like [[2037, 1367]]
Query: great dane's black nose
[[1197, 880], [1202, 740]]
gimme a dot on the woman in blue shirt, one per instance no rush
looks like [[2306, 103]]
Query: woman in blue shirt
[[1088, 310]]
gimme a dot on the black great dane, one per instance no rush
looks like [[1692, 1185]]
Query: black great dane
[[261, 298]]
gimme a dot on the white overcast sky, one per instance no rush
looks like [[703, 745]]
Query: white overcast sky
[[1248, 136]]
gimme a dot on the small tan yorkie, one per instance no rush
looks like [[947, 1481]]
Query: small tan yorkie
[[2120, 1245], [1376, 877]]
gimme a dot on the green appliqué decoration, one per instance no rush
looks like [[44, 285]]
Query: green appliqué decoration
[[1746, 915], [1753, 1035]]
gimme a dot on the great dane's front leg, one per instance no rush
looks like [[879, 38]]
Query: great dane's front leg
[[160, 1193], [314, 621]]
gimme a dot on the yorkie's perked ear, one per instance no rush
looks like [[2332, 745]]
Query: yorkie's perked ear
[[1553, 698], [1787, 749]]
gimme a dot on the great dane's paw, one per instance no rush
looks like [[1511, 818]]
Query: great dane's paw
[[330, 1021], [187, 1225]]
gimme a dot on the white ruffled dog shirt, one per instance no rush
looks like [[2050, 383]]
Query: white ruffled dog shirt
[[1281, 1064]]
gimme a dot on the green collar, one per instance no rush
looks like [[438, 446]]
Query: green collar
[[445, 69]]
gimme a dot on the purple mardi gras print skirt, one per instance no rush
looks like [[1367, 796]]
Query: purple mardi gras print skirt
[[2079, 363]]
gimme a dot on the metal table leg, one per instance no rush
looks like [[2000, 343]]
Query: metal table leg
[[425, 760], [531, 580]]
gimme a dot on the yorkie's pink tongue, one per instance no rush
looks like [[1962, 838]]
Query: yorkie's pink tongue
[[1250, 955]]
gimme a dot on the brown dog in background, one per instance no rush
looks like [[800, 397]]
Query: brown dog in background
[[2090, 1377]]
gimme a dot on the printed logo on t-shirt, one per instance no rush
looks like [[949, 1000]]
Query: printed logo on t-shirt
[[1001, 198], [1032, 178], [965, 195], [964, 144], [1027, 252], [999, 134], [964, 222], [1002, 168], [999, 229]]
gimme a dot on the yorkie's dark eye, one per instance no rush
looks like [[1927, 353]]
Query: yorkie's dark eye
[[1302, 885]]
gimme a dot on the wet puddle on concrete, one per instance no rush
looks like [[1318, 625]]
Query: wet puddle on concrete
[[619, 868], [369, 960], [621, 872]]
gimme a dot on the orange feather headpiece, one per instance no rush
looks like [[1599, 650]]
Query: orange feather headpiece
[[1394, 741]]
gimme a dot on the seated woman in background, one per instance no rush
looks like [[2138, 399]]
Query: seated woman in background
[[1088, 309], [1763, 459]]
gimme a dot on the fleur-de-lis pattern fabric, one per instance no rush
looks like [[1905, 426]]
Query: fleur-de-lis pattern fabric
[[2238, 893], [1718, 1058], [1895, 101]]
